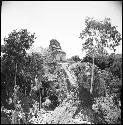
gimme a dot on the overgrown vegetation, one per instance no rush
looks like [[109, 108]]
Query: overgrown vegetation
[[38, 88]]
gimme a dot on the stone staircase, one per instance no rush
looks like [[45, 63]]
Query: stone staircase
[[70, 74]]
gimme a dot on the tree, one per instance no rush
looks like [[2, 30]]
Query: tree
[[115, 64], [100, 61], [75, 58], [47, 56], [98, 35], [14, 49], [34, 70]]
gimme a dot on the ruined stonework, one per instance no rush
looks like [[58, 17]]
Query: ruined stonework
[[57, 52], [59, 55]]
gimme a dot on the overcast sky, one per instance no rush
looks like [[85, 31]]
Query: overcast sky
[[60, 20]]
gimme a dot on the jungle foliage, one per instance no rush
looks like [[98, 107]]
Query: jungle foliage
[[35, 88]]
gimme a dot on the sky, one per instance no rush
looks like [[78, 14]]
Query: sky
[[60, 20]]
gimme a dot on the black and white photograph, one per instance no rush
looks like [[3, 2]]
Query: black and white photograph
[[61, 62]]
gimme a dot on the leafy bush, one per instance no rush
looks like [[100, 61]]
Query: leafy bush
[[113, 62], [83, 73], [105, 107]]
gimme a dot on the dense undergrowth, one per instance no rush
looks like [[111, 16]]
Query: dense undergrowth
[[75, 106], [38, 89]]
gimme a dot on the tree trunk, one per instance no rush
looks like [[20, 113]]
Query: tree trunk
[[15, 72], [106, 92], [15, 86], [92, 76], [15, 98], [39, 99], [25, 90]]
